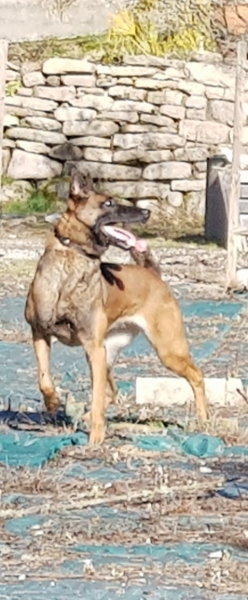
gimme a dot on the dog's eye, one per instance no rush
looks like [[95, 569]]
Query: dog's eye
[[108, 203]]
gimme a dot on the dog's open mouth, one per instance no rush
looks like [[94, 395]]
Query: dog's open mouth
[[125, 238]]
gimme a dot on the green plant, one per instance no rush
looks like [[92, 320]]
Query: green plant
[[12, 88], [151, 27], [37, 202]]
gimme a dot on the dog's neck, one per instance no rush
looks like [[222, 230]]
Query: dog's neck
[[67, 243]]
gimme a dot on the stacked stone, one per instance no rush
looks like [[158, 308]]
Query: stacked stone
[[146, 127]]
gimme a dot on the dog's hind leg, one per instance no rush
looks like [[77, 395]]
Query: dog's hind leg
[[171, 346], [42, 348]]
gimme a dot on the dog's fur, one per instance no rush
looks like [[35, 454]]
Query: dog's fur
[[72, 299]]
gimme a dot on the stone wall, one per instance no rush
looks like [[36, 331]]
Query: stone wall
[[146, 126]]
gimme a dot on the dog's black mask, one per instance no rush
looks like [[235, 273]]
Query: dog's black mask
[[107, 234]]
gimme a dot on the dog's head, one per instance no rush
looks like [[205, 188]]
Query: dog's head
[[93, 217]]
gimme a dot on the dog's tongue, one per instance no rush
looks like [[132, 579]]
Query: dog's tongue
[[140, 245], [127, 237]]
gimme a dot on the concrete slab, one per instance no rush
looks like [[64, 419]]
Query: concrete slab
[[166, 391]]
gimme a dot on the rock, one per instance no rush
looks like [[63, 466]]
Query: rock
[[138, 128], [150, 141], [127, 92], [167, 170], [6, 155], [33, 147], [79, 80], [188, 185], [107, 171], [175, 112], [65, 152], [16, 190], [32, 103], [195, 205], [150, 204], [157, 120], [23, 91], [154, 84], [222, 111], [196, 114], [204, 132], [29, 67], [13, 66], [91, 141], [119, 116], [93, 91], [191, 87], [125, 71], [201, 166], [96, 128], [43, 123], [192, 154], [24, 112], [53, 80], [215, 93], [29, 165], [59, 66], [175, 199], [137, 154], [36, 135], [69, 113], [98, 154], [200, 176], [107, 81], [244, 136], [91, 101], [60, 94], [136, 190], [160, 62], [144, 107], [218, 75], [33, 78], [125, 81], [11, 75], [208, 56], [196, 102], [8, 143], [166, 97], [10, 120]]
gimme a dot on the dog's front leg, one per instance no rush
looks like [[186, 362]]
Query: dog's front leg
[[42, 348], [97, 359]]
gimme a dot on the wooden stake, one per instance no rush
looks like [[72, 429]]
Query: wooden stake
[[233, 209], [3, 63]]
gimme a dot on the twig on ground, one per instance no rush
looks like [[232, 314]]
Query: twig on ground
[[141, 496]]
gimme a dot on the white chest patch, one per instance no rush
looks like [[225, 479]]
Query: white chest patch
[[121, 334]]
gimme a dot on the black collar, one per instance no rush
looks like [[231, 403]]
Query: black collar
[[68, 244]]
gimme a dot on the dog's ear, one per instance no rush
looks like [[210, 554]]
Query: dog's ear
[[80, 186]]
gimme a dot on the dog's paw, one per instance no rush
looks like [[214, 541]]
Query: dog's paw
[[52, 403], [97, 434]]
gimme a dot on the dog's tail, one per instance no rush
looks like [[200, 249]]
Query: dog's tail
[[146, 259]]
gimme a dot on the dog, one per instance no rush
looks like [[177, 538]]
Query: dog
[[73, 298]]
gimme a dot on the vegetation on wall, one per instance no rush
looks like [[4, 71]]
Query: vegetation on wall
[[152, 27]]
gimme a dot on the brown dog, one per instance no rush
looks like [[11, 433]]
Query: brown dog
[[70, 299]]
